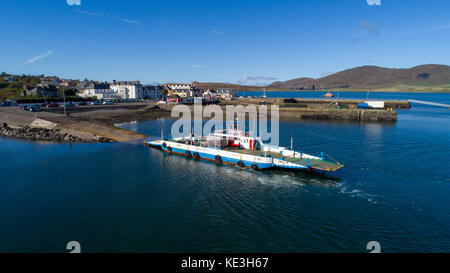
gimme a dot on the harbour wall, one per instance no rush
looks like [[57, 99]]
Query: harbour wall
[[321, 113]]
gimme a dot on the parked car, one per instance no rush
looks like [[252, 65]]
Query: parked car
[[51, 105], [69, 104], [82, 103], [8, 103], [107, 102], [95, 103], [23, 107], [34, 109]]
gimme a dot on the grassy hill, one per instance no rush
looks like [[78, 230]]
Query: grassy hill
[[431, 78], [10, 90], [423, 78]]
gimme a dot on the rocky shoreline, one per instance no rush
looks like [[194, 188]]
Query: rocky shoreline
[[40, 134]]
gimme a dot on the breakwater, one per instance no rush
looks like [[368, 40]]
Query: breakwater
[[319, 103], [326, 109], [339, 114], [323, 113]]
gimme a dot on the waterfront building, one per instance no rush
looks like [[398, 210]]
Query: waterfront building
[[128, 89], [65, 83], [179, 86], [82, 85], [50, 81], [210, 94], [179, 93], [41, 90], [99, 91], [224, 94], [185, 91], [152, 92], [195, 93]]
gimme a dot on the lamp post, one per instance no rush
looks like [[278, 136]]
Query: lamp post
[[64, 97]]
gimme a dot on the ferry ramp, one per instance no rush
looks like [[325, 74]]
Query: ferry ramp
[[323, 165]]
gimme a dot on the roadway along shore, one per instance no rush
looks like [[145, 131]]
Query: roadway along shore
[[56, 127]]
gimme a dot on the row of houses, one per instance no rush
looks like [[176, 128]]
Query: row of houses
[[128, 90], [187, 91], [134, 90], [184, 91]]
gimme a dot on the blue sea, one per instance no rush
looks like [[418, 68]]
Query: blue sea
[[125, 197]]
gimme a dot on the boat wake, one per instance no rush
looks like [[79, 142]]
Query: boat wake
[[356, 193]]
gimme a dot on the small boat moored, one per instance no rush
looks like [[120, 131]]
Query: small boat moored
[[328, 95]]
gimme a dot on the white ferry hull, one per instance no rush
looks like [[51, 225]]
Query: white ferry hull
[[213, 154]]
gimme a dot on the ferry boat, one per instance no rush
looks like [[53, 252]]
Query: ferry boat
[[234, 146]]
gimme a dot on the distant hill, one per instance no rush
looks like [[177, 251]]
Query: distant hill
[[425, 78], [374, 77], [213, 85]]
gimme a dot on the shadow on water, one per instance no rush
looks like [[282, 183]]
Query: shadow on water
[[269, 177], [307, 178], [134, 141]]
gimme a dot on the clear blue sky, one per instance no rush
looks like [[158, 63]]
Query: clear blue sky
[[248, 41]]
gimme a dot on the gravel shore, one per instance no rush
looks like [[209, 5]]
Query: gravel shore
[[41, 134], [56, 127]]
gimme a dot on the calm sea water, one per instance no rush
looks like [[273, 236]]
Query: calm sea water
[[394, 189], [436, 97]]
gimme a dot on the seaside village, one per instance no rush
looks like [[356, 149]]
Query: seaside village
[[134, 91], [53, 89]]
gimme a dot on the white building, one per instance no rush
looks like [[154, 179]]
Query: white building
[[121, 90], [224, 94], [128, 90], [186, 87], [99, 91], [184, 91]]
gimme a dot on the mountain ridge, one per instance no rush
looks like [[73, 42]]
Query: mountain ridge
[[426, 78], [373, 77]]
